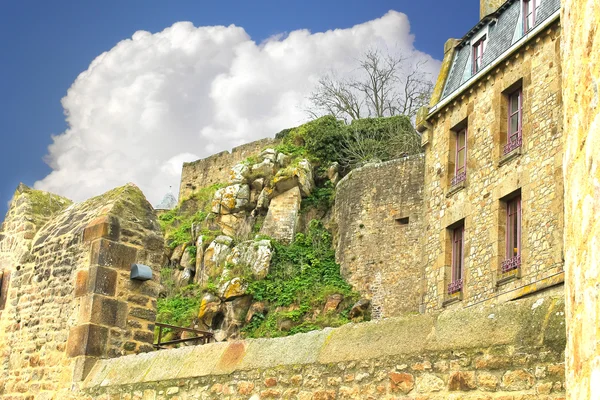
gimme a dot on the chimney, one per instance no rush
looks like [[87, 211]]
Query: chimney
[[489, 6]]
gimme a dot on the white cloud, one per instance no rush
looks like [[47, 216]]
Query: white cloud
[[157, 100]]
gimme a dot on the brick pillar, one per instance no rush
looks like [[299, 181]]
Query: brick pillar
[[116, 315]]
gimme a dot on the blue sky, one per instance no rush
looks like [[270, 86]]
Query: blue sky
[[46, 45]]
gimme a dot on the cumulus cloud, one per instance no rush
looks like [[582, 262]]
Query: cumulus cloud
[[157, 100]]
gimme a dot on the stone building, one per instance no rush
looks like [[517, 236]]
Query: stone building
[[493, 141]]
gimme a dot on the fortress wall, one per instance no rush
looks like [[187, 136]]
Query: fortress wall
[[511, 351], [69, 299], [379, 251], [581, 94], [216, 168]]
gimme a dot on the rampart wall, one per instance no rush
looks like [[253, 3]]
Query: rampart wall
[[217, 168], [512, 351], [379, 223]]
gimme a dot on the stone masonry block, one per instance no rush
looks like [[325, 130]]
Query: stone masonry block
[[87, 340], [101, 310], [97, 279], [102, 227], [106, 253]]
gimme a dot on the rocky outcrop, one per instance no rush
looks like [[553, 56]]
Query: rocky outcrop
[[281, 222]]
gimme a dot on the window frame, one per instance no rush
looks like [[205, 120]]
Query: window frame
[[460, 171], [478, 51], [530, 7], [458, 263], [512, 261], [514, 139]]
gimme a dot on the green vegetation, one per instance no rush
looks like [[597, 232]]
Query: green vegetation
[[302, 275], [321, 198], [177, 223], [327, 139]]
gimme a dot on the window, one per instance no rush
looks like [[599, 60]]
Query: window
[[515, 121], [478, 50], [460, 166], [531, 9], [512, 260], [456, 279]]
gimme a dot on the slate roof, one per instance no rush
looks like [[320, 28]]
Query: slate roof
[[505, 28]]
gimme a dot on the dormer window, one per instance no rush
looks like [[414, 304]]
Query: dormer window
[[531, 9], [478, 51]]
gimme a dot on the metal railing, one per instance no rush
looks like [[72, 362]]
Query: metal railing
[[202, 336]]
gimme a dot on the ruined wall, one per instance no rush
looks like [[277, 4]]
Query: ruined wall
[[513, 351], [69, 298], [535, 169], [217, 168], [378, 212], [581, 86]]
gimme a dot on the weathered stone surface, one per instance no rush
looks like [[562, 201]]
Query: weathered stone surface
[[209, 307], [269, 154], [370, 360], [68, 266], [401, 381], [283, 160], [177, 254], [461, 380], [217, 168], [295, 176], [231, 199], [332, 302], [216, 255], [427, 383], [282, 218], [253, 255], [188, 261], [359, 309], [581, 95], [232, 288], [333, 173], [517, 380], [238, 174], [266, 169], [368, 201]]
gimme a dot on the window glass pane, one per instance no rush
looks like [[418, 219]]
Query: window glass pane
[[514, 103], [514, 124], [461, 139], [461, 159], [515, 237]]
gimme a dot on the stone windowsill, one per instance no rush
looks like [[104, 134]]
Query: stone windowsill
[[457, 188], [452, 298], [506, 277], [510, 156]]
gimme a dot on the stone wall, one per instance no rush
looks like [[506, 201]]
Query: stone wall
[[534, 170], [217, 168], [69, 298], [513, 351], [378, 214], [581, 84]]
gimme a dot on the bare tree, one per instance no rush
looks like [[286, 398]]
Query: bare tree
[[385, 85]]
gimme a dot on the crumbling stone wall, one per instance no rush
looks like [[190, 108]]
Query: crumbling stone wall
[[513, 351], [217, 168], [535, 170], [69, 299], [378, 217], [581, 87]]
